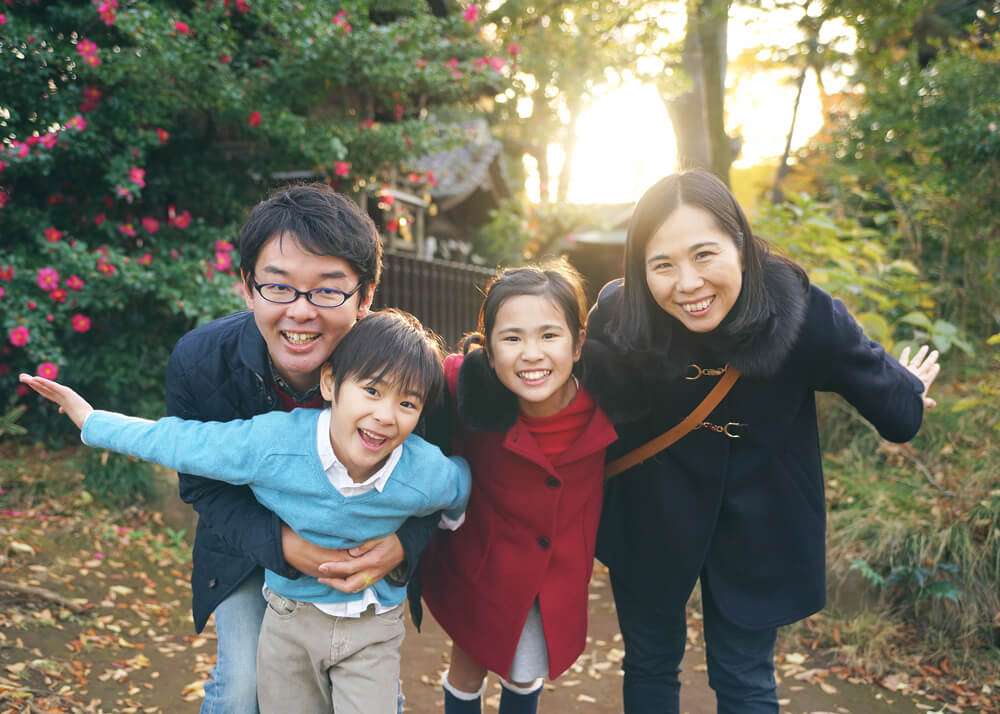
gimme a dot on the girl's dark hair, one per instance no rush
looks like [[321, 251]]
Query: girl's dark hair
[[391, 346], [641, 315], [323, 221], [558, 281]]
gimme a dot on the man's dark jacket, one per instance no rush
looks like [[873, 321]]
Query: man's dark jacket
[[746, 513], [220, 372]]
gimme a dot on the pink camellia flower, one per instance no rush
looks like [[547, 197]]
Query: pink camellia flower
[[86, 47], [342, 168], [182, 28], [254, 119], [2, 291], [123, 192], [19, 336], [106, 10], [3, 19], [223, 261], [497, 63], [340, 20], [53, 234], [75, 282], [178, 220], [225, 59], [58, 295], [31, 305], [7, 273], [514, 49], [81, 323], [3, 166], [31, 140], [150, 225], [99, 219], [47, 278], [242, 7], [49, 140], [105, 268], [367, 124], [224, 246], [471, 14], [76, 122], [48, 370], [127, 229], [4, 197], [480, 62], [50, 317], [19, 149], [163, 135], [137, 176], [145, 259]]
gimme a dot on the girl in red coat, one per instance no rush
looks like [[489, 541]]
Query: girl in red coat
[[510, 585]]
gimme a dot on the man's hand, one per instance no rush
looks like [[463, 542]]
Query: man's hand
[[307, 557], [365, 564], [925, 366]]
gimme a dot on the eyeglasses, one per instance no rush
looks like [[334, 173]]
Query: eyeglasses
[[320, 297]]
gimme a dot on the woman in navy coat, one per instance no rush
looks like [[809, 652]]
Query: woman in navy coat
[[737, 503]]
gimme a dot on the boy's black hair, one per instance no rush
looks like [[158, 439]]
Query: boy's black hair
[[391, 346], [323, 221]]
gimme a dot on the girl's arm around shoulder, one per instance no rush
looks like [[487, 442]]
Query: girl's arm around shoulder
[[233, 451], [844, 360]]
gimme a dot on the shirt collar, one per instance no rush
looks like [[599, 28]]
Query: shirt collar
[[336, 471], [297, 396]]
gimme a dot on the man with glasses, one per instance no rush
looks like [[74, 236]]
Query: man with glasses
[[310, 261]]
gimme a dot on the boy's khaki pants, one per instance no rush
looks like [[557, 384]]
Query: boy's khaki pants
[[310, 662]]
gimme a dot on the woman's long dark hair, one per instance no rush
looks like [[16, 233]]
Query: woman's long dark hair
[[640, 327]]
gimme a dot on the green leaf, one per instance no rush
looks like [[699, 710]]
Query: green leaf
[[965, 404], [994, 339], [917, 318]]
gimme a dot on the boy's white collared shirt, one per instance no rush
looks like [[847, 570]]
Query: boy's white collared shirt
[[338, 477]]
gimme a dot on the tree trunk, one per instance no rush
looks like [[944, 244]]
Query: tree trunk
[[776, 194], [568, 147]]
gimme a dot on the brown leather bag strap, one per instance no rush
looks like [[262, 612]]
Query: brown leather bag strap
[[696, 417]]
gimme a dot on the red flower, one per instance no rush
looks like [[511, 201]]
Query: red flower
[[7, 273], [56, 198], [81, 323], [91, 98], [53, 234], [47, 278], [89, 51], [182, 27], [106, 10], [496, 63], [4, 197], [178, 220], [50, 317], [150, 224], [75, 282], [137, 176], [48, 370], [145, 259], [163, 135], [398, 111], [99, 219], [3, 166], [223, 261], [106, 268], [392, 225], [513, 49], [2, 291], [340, 20], [3, 19], [367, 123], [49, 140], [58, 295], [254, 119], [342, 168], [32, 305], [471, 14], [225, 59], [19, 336], [127, 229], [224, 246], [242, 7], [19, 149]]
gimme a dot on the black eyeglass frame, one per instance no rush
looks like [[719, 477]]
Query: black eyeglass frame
[[307, 294]]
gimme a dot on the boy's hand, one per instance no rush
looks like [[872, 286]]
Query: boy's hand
[[925, 367], [368, 563], [70, 403]]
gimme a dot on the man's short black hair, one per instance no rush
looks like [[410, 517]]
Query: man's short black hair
[[391, 346], [323, 221]]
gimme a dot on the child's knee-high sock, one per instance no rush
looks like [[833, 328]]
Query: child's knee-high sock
[[520, 700], [458, 702]]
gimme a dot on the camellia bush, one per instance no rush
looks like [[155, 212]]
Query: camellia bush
[[135, 136]]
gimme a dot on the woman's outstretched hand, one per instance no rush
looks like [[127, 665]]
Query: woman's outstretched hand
[[925, 366], [70, 403]]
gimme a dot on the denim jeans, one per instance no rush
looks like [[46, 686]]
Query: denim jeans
[[740, 661], [233, 686]]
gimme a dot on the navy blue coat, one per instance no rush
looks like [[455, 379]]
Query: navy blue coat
[[746, 514], [220, 372]]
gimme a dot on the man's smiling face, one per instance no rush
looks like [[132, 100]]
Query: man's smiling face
[[299, 335]]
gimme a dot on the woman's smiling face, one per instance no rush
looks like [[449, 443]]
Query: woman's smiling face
[[693, 269]]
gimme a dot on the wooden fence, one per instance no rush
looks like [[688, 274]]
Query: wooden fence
[[444, 296]]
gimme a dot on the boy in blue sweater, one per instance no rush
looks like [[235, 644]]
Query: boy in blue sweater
[[338, 477]]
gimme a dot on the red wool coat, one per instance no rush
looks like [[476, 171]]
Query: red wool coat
[[529, 531]]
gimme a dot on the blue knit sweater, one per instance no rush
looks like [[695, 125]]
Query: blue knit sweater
[[275, 453]]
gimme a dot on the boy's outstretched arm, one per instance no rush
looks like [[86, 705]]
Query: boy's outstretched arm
[[70, 403]]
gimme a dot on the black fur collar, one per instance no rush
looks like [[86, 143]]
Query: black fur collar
[[484, 404]]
